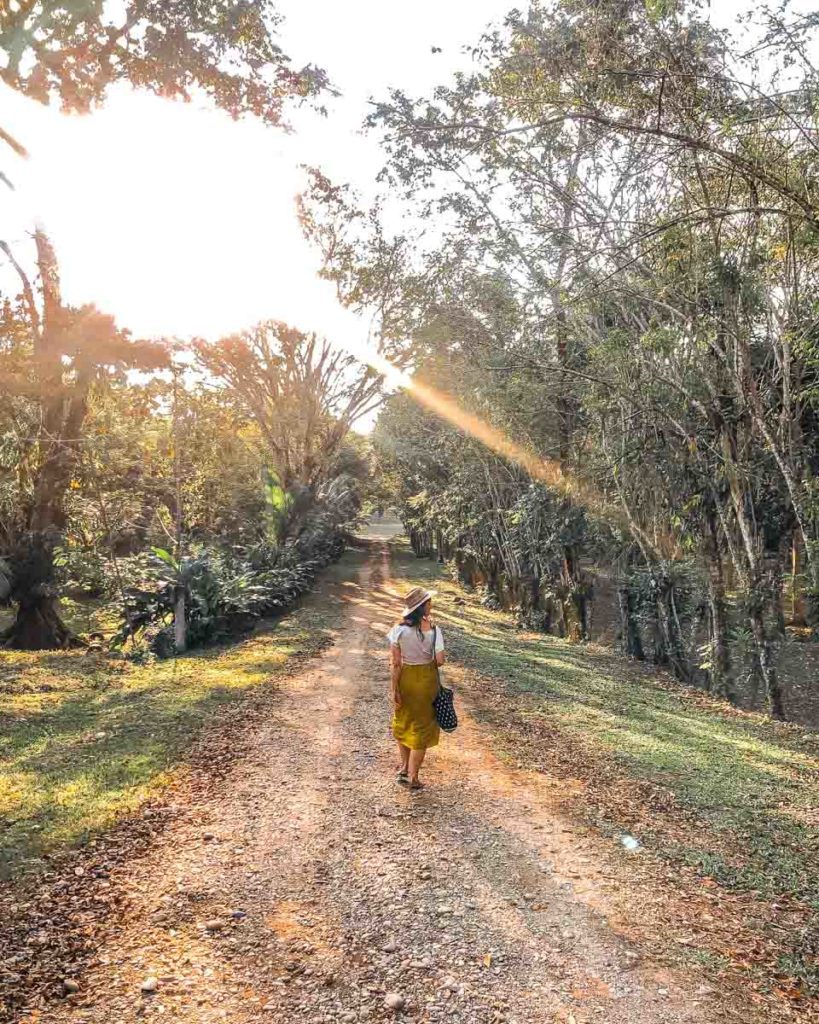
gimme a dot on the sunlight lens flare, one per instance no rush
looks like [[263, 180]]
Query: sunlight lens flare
[[172, 217], [545, 471]]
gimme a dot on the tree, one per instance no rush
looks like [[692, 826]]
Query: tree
[[303, 395], [71, 53], [649, 200], [70, 351]]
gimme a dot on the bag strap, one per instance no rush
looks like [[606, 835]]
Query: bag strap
[[434, 660]]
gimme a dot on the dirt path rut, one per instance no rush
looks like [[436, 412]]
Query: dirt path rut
[[312, 886]]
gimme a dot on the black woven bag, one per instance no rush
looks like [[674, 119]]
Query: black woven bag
[[444, 702]]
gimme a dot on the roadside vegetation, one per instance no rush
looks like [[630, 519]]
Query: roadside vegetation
[[618, 303], [591, 274]]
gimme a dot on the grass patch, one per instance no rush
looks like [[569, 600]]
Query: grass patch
[[705, 958], [752, 784], [85, 739]]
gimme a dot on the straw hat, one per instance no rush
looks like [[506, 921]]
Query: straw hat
[[415, 598]]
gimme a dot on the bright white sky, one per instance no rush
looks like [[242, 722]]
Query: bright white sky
[[368, 47], [181, 222]]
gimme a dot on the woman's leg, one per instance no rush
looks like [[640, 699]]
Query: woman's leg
[[416, 759], [403, 758]]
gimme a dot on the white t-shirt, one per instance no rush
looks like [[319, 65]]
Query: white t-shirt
[[414, 650]]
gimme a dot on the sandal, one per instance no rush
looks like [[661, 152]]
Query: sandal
[[403, 778], [416, 785]]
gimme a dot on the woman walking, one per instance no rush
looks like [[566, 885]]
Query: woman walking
[[416, 651]]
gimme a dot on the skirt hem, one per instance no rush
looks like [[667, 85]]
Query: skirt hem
[[416, 745]]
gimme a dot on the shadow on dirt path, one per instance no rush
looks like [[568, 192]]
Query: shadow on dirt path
[[308, 886]]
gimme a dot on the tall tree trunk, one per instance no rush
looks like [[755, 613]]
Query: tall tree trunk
[[575, 610], [765, 660], [659, 648], [721, 681], [733, 373], [37, 625], [180, 625], [797, 610], [574, 597], [755, 586], [630, 628], [670, 630], [440, 547]]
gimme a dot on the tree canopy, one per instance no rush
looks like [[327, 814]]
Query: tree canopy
[[59, 365], [621, 278], [71, 52]]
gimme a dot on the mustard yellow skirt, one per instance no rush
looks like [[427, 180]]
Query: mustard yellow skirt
[[414, 724]]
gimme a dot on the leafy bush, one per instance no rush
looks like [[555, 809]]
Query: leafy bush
[[224, 594], [227, 590], [83, 571]]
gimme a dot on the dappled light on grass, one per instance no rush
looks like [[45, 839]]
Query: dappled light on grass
[[740, 774], [752, 747], [720, 803], [85, 741]]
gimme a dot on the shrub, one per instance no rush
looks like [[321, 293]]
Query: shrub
[[227, 590]]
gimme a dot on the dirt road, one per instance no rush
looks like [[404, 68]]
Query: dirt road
[[311, 887]]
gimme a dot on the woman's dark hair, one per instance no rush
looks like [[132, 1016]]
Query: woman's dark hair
[[416, 616]]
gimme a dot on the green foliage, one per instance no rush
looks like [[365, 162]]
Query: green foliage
[[224, 594], [624, 285], [150, 481], [226, 49], [82, 571], [227, 589], [53, 358], [279, 505], [659, 9]]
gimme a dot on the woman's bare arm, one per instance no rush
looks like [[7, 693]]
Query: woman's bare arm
[[395, 671], [440, 656]]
